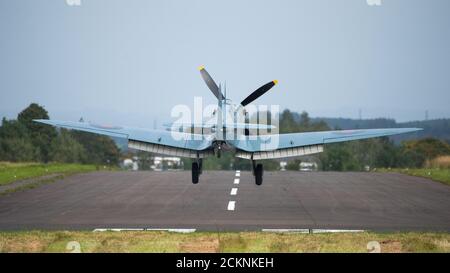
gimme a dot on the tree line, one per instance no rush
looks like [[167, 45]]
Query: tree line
[[23, 140], [357, 155]]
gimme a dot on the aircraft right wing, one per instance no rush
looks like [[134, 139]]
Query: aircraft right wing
[[160, 142], [298, 144]]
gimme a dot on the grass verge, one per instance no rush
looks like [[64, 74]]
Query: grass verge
[[439, 175], [11, 172], [159, 241]]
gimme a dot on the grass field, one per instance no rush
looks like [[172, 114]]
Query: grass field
[[159, 241], [440, 175], [11, 172]]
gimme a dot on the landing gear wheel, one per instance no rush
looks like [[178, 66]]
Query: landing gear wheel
[[259, 174], [195, 172]]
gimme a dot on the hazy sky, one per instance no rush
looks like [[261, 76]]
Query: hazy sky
[[130, 61]]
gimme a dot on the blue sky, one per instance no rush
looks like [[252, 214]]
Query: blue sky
[[129, 62]]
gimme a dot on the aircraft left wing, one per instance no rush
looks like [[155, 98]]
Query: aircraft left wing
[[156, 141], [298, 144]]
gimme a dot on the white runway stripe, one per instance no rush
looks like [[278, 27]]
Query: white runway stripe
[[178, 230], [336, 230], [233, 191], [287, 230], [238, 174], [117, 229], [231, 205], [304, 230], [236, 181]]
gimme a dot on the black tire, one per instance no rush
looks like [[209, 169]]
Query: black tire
[[195, 172], [259, 171]]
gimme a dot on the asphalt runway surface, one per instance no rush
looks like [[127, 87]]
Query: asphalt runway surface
[[286, 200]]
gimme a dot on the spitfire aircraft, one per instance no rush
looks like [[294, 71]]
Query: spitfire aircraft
[[226, 135]]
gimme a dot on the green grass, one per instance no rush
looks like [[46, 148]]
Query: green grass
[[155, 241], [440, 175], [11, 172]]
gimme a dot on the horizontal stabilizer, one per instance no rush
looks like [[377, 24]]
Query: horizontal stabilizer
[[250, 126]]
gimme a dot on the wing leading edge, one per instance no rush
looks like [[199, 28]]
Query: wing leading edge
[[161, 142], [297, 144]]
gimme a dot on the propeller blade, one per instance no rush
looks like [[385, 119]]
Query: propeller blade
[[259, 92], [210, 83]]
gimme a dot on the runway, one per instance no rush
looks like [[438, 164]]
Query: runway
[[230, 201]]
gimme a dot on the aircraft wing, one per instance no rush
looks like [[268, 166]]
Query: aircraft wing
[[298, 144], [156, 141]]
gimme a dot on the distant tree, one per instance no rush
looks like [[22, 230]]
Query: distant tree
[[99, 149], [293, 165], [387, 154], [287, 122], [17, 150], [41, 135], [271, 165], [13, 129], [225, 162], [305, 121], [15, 144], [374, 153], [414, 153], [339, 157], [242, 164], [145, 160], [64, 148], [429, 147], [320, 126]]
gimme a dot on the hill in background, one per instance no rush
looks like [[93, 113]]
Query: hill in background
[[437, 128]]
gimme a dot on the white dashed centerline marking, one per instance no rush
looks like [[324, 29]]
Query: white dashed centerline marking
[[233, 191], [231, 205]]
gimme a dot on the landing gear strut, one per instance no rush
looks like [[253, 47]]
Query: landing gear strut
[[196, 170], [258, 172]]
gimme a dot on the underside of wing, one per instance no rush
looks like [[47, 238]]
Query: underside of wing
[[236, 125], [160, 142], [298, 144]]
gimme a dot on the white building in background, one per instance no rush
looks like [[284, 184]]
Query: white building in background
[[308, 166], [162, 163], [283, 165], [130, 164]]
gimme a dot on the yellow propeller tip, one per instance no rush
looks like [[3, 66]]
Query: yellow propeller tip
[[275, 82], [201, 67]]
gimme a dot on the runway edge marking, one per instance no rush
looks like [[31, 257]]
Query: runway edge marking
[[310, 231], [117, 229], [178, 230], [337, 230]]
